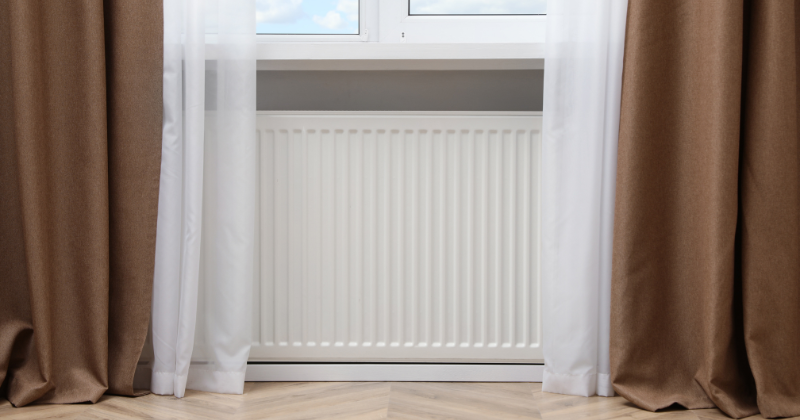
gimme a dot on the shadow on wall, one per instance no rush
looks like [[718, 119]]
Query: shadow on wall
[[412, 90]]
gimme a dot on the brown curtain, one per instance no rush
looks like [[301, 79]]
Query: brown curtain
[[80, 147], [706, 271]]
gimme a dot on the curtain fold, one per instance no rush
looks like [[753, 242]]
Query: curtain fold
[[202, 303], [80, 117], [582, 85], [706, 276]]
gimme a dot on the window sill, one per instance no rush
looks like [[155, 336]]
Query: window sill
[[396, 56]]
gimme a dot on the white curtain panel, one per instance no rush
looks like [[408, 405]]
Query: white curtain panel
[[582, 86], [202, 299]]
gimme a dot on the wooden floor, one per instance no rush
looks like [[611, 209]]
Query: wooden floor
[[360, 400]]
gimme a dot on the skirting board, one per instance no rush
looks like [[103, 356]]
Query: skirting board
[[393, 372]]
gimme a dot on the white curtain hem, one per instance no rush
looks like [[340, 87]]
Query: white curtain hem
[[223, 382], [586, 385], [163, 383]]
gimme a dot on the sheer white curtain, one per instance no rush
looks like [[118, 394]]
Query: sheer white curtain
[[206, 211], [582, 86]]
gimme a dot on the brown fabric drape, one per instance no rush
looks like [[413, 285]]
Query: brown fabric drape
[[706, 269], [80, 151]]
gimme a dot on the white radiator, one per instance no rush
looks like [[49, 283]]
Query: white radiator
[[398, 237]]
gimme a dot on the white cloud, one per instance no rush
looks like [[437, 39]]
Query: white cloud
[[332, 20], [349, 8], [477, 6], [278, 11]]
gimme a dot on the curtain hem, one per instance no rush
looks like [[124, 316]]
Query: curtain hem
[[162, 383], [583, 385], [223, 382]]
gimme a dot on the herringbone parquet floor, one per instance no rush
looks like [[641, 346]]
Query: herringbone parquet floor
[[360, 400]]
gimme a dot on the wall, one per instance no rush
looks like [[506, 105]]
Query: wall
[[407, 90]]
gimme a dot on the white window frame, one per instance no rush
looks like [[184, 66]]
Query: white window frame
[[391, 39], [397, 26], [366, 25], [388, 21]]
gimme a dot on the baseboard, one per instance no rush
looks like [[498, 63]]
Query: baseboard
[[392, 372]]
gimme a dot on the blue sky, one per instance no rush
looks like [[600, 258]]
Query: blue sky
[[341, 16], [307, 16]]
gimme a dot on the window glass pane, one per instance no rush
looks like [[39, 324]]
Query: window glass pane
[[300, 17], [477, 7]]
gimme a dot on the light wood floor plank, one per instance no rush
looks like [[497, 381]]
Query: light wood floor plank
[[361, 401], [715, 414], [41, 411], [156, 406], [314, 400], [440, 400], [567, 407]]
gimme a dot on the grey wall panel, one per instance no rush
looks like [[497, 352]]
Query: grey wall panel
[[413, 90]]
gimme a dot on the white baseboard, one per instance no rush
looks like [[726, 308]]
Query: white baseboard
[[393, 372]]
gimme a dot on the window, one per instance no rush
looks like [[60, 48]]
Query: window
[[476, 7], [402, 21], [307, 17], [463, 21], [311, 20]]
